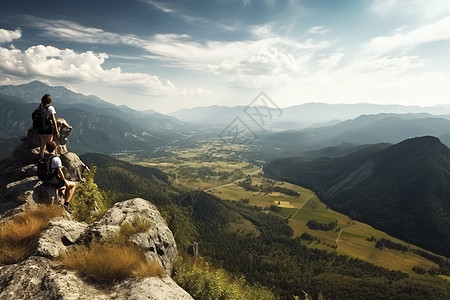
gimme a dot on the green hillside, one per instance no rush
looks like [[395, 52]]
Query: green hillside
[[403, 189], [246, 240]]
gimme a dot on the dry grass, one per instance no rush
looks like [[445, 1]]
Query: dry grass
[[107, 263], [19, 235], [137, 225]]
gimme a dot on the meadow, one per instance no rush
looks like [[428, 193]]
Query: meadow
[[218, 170]]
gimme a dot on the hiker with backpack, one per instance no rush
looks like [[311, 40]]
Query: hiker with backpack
[[45, 122], [50, 171]]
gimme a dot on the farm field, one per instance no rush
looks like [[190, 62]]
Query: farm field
[[354, 239], [218, 171]]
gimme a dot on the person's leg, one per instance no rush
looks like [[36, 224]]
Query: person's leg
[[45, 138], [70, 191], [41, 150]]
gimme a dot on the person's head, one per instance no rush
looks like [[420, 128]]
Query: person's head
[[46, 99], [51, 146]]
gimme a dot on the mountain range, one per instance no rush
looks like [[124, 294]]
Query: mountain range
[[363, 130], [403, 189], [298, 116], [98, 126]]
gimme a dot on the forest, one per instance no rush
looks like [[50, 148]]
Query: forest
[[265, 253]]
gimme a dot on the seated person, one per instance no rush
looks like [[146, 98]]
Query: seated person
[[58, 180]]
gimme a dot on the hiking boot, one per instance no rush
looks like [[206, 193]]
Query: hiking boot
[[67, 208]]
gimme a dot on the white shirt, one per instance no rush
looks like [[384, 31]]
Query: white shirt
[[50, 111], [56, 163]]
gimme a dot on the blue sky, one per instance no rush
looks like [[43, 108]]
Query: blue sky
[[168, 55]]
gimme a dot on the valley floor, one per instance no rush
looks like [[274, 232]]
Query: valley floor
[[218, 170]]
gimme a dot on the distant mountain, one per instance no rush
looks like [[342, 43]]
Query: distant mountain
[[363, 130], [301, 116], [321, 112], [402, 189], [98, 126], [32, 93]]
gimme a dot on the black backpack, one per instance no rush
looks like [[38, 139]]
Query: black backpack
[[44, 168], [40, 120]]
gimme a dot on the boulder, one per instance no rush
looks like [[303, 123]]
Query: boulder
[[33, 141], [157, 242], [74, 169], [60, 234], [162, 289], [40, 278], [18, 182]]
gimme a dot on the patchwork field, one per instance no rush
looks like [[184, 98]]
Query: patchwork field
[[219, 171], [354, 239]]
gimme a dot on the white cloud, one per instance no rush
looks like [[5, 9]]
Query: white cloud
[[9, 35], [318, 30], [266, 53], [75, 32], [50, 62], [269, 56], [436, 31], [418, 9], [332, 61]]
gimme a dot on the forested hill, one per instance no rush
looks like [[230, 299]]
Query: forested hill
[[247, 241], [403, 189]]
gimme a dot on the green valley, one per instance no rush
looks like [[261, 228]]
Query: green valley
[[216, 169]]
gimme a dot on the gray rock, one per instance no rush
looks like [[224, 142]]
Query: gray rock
[[19, 184], [23, 281], [157, 242], [152, 288], [33, 141], [74, 169], [40, 278], [56, 239]]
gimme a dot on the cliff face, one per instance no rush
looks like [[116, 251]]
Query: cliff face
[[41, 275]]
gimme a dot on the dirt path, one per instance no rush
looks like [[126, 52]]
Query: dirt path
[[339, 235], [301, 207]]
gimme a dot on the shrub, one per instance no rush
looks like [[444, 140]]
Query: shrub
[[89, 203], [203, 281], [314, 225], [107, 263], [19, 235]]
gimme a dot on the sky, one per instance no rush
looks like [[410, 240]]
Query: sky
[[169, 55]]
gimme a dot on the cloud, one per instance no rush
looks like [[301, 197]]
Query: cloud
[[263, 54], [436, 31], [65, 64], [419, 9], [332, 61], [67, 30], [270, 54], [8, 35], [177, 12], [318, 30]]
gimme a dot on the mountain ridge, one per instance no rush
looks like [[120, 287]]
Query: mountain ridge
[[98, 125], [402, 189]]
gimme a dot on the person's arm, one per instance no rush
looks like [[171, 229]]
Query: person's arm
[[61, 175], [56, 124]]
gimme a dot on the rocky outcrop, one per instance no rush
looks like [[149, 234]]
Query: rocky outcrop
[[157, 242], [41, 276], [19, 186]]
